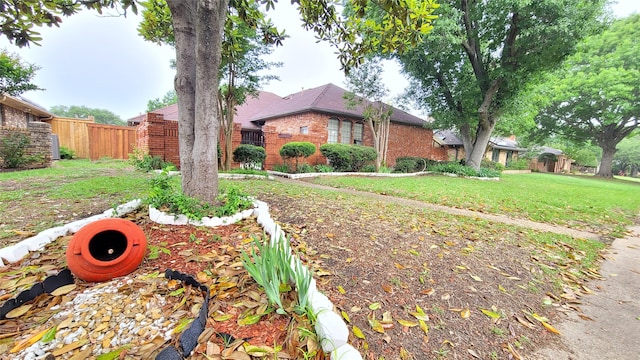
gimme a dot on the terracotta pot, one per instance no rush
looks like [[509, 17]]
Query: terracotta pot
[[105, 249]]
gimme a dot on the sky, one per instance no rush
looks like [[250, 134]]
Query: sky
[[102, 62]]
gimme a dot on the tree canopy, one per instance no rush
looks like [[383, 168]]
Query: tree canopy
[[16, 75], [481, 53], [101, 116], [594, 96], [169, 98]]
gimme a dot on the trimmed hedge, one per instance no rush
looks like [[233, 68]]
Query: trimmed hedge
[[348, 157], [410, 164], [296, 150], [247, 153]]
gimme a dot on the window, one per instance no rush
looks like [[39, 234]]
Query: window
[[333, 131], [358, 129], [345, 132], [304, 130], [495, 156], [509, 157]]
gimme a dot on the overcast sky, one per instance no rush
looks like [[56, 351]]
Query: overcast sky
[[101, 62]]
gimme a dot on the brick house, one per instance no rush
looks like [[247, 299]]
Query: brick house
[[317, 115], [18, 114], [500, 150]]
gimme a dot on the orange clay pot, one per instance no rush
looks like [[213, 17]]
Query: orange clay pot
[[105, 249]]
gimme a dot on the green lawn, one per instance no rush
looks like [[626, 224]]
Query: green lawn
[[600, 205]]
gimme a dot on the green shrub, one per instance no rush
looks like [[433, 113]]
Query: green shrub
[[520, 164], [296, 150], [66, 153], [338, 155], [322, 168], [486, 163], [348, 157], [249, 155], [462, 170], [305, 168], [165, 194], [369, 168], [361, 155], [283, 168], [12, 150], [488, 173], [145, 162]]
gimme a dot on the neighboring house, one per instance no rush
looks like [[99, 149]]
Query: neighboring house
[[317, 115], [550, 160], [500, 150], [18, 114]]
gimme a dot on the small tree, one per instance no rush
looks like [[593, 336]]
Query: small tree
[[365, 83], [12, 150], [249, 155], [296, 150], [16, 75]]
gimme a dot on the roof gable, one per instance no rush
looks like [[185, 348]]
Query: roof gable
[[327, 99]]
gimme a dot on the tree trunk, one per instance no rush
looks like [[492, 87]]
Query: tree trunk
[[228, 134], [606, 163], [198, 27], [479, 148]]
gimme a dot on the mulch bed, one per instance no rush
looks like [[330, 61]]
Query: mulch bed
[[212, 257]]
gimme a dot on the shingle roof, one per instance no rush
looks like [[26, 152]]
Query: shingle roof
[[269, 106], [327, 99], [447, 137]]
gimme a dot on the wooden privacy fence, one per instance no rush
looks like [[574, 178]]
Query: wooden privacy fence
[[94, 141], [110, 140]]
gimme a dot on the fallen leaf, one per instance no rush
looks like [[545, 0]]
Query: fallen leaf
[[387, 288], [550, 328], [341, 289], [465, 313], [374, 306], [473, 353], [495, 316], [345, 316], [407, 323], [28, 341], [19, 311], [428, 292], [358, 333], [423, 326]]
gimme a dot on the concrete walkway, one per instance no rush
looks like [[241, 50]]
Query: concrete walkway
[[614, 331]]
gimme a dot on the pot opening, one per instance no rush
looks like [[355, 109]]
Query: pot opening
[[107, 245]]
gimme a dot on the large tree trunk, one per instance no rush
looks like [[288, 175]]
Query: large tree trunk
[[198, 27], [479, 147], [606, 163]]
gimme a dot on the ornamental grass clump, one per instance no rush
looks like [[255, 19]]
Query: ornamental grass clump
[[270, 267]]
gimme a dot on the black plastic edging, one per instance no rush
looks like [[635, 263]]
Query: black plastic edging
[[48, 285], [188, 338]]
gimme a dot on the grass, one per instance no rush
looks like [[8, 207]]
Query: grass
[[600, 205]]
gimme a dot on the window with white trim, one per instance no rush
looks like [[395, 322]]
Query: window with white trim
[[345, 132], [332, 137], [358, 130]]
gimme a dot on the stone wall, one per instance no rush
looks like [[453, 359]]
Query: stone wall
[[13, 118], [40, 142]]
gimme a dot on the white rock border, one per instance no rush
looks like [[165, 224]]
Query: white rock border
[[14, 253], [330, 327]]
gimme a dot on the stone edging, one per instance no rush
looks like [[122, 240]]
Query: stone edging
[[365, 174], [330, 327]]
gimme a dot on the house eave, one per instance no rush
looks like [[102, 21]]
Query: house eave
[[24, 106]]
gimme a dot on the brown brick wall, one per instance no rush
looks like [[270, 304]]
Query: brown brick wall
[[13, 118], [158, 137], [405, 140]]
